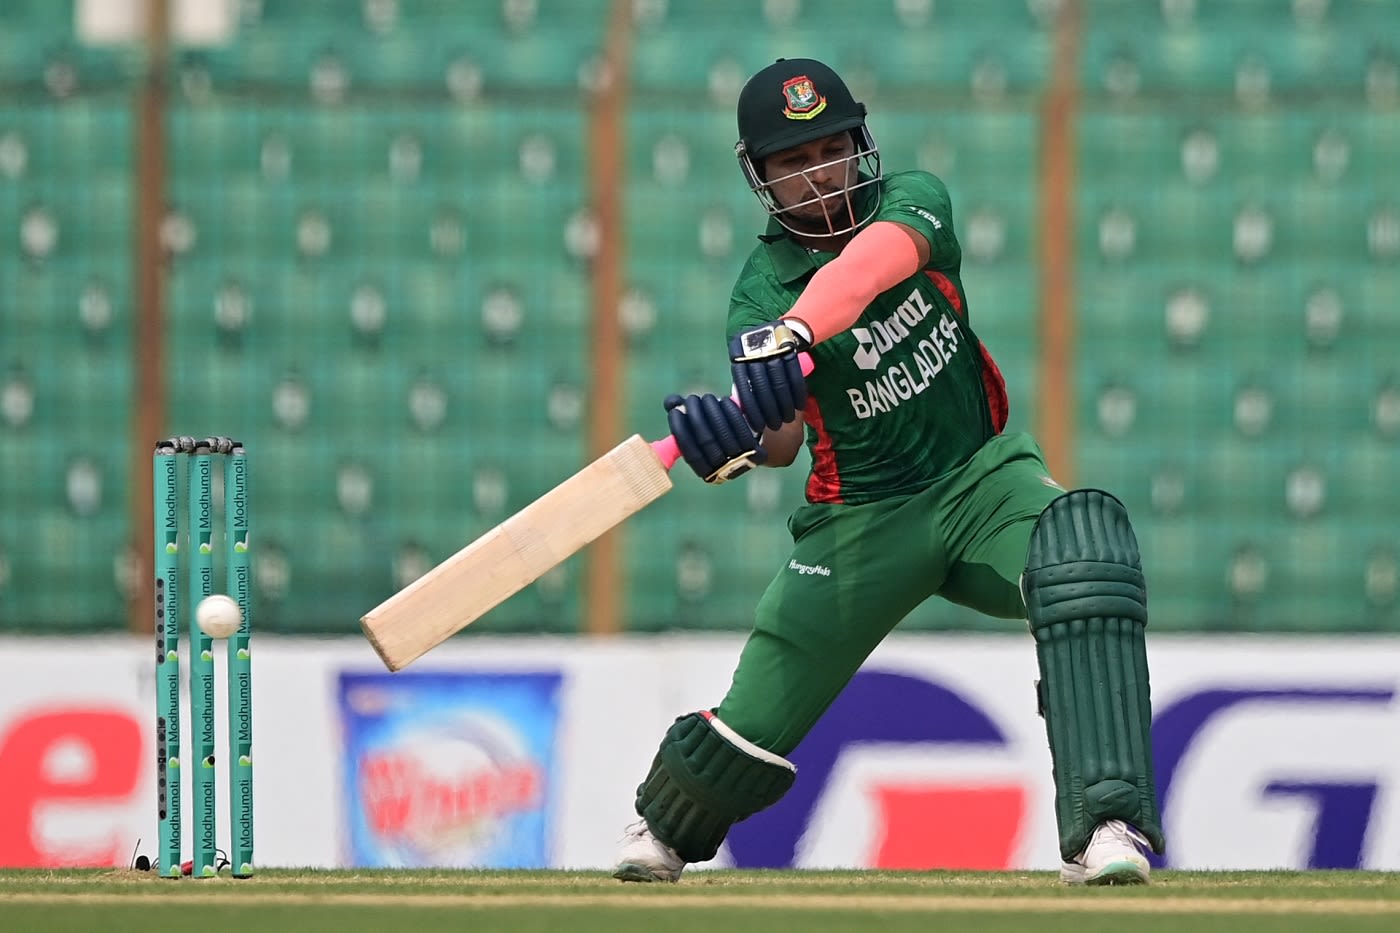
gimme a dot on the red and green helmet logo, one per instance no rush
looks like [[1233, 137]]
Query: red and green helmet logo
[[801, 100]]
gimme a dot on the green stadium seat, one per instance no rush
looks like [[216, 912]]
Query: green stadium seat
[[50, 22], [331, 584], [463, 407], [1365, 477], [682, 572], [1329, 396], [1317, 582], [66, 565], [1247, 477]]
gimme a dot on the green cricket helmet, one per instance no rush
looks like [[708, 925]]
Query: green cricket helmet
[[795, 101]]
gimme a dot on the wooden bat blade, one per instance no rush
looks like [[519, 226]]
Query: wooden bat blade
[[515, 553]]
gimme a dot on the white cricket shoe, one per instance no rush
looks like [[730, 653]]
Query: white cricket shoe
[[645, 858], [1114, 855]]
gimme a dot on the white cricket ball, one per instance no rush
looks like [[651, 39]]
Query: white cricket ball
[[218, 616]]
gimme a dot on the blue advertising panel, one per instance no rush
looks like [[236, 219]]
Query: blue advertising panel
[[451, 769]]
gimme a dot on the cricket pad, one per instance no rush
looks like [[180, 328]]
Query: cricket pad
[[1086, 601], [704, 779]]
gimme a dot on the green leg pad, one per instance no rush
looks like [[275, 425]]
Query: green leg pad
[[1086, 602], [704, 779]]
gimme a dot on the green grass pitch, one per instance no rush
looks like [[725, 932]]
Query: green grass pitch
[[705, 902]]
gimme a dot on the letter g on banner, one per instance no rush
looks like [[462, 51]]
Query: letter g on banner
[[1272, 778]]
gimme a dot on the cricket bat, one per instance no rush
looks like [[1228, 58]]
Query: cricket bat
[[521, 549]]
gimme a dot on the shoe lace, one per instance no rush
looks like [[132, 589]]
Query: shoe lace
[[1125, 832], [636, 830]]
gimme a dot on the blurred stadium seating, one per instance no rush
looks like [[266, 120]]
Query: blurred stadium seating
[[1237, 236], [379, 242]]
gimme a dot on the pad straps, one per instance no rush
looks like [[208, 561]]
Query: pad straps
[[705, 778]]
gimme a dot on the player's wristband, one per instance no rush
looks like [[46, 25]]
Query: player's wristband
[[800, 330], [767, 341]]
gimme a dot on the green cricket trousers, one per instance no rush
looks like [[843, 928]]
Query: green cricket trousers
[[856, 570]]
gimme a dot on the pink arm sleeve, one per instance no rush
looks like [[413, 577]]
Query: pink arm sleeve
[[879, 257]]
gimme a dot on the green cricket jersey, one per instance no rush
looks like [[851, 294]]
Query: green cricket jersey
[[908, 392]]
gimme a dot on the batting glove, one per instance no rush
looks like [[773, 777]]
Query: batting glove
[[713, 437], [767, 375]]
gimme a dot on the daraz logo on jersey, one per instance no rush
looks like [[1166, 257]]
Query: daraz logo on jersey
[[880, 336], [904, 380]]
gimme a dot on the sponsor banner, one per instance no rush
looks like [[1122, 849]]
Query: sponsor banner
[[1271, 752], [77, 744], [932, 757], [946, 785], [77, 752], [450, 769], [1279, 754]]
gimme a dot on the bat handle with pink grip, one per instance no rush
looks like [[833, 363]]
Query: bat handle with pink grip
[[668, 453]]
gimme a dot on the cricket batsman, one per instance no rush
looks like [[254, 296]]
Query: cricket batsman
[[914, 492]]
